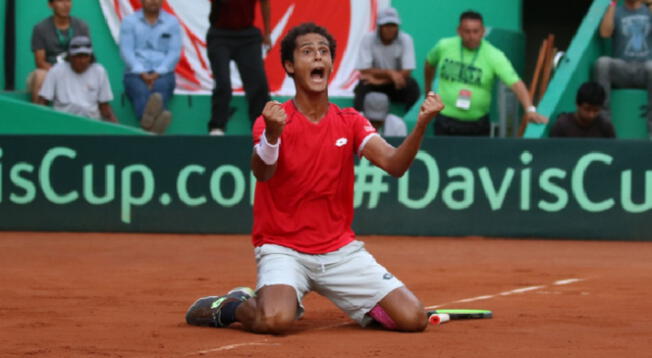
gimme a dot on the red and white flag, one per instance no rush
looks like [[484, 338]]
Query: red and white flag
[[346, 20]]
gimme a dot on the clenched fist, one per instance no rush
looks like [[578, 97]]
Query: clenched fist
[[275, 118], [430, 107]]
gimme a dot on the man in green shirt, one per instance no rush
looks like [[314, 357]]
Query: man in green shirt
[[468, 66]]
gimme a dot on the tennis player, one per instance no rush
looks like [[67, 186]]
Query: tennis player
[[303, 159]]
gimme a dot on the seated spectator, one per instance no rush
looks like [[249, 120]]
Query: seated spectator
[[468, 66], [588, 120], [50, 41], [376, 109], [79, 85], [630, 65], [386, 60], [150, 45]]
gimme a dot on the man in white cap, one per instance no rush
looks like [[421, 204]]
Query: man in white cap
[[385, 61], [376, 110], [79, 85]]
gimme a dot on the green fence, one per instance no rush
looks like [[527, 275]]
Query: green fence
[[593, 189]]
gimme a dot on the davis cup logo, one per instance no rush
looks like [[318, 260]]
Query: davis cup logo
[[347, 20]]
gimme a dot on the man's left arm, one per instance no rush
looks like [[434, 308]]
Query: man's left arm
[[396, 161], [107, 112], [529, 108], [173, 52]]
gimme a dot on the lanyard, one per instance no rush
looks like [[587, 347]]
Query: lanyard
[[463, 67], [64, 40]]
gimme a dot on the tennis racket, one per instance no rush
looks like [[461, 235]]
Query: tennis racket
[[456, 314]]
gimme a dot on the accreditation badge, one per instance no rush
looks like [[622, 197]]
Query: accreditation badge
[[464, 100]]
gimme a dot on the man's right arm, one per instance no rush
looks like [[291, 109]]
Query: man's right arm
[[40, 60], [607, 25], [128, 47], [264, 159], [428, 75]]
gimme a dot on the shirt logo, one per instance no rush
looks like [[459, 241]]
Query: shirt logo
[[341, 142]]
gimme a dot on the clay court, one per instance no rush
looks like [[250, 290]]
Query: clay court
[[125, 295]]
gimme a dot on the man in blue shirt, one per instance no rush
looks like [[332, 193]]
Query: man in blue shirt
[[629, 25], [150, 45]]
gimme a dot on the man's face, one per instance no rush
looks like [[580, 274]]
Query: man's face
[[388, 32], [152, 5], [80, 63], [61, 8], [471, 31], [587, 113], [313, 63]]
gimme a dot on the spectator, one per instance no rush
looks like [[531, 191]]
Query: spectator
[[467, 66], [150, 45], [587, 121], [385, 61], [50, 41], [630, 66], [79, 85], [232, 36], [376, 109]]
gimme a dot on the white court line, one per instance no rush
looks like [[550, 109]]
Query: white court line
[[232, 346], [511, 292]]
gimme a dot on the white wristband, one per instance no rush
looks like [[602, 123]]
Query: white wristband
[[268, 153], [531, 109]]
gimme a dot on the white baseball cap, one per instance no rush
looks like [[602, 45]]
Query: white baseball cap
[[388, 15]]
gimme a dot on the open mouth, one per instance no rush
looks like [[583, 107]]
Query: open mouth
[[318, 74]]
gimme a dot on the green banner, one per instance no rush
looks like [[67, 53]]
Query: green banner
[[593, 189]]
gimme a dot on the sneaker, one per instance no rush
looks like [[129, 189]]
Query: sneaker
[[153, 109], [207, 311], [216, 132], [161, 122]]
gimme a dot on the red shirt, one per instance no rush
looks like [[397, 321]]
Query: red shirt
[[232, 14], [308, 204]]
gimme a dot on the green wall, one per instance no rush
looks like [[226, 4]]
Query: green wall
[[22, 117], [2, 44]]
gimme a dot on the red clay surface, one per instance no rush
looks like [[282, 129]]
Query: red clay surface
[[111, 295]]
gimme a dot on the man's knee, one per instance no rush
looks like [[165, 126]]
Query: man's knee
[[602, 65], [648, 70], [273, 321]]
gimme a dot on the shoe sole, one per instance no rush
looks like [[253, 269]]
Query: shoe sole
[[153, 109], [161, 122]]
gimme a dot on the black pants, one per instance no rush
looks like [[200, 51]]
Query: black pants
[[408, 95], [243, 47], [445, 125]]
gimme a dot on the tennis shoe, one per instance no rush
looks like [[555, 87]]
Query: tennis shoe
[[207, 311]]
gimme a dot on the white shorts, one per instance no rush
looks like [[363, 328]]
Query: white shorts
[[350, 277]]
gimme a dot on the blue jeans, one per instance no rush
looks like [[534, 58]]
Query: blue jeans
[[138, 92]]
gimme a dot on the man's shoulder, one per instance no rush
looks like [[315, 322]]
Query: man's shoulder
[[346, 112], [404, 36], [133, 18], [60, 69], [44, 25], [98, 68], [167, 17], [77, 22], [566, 117], [448, 42]]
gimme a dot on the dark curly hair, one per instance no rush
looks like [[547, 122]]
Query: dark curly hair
[[289, 43]]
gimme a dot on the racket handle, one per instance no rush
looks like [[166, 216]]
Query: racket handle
[[439, 318]]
